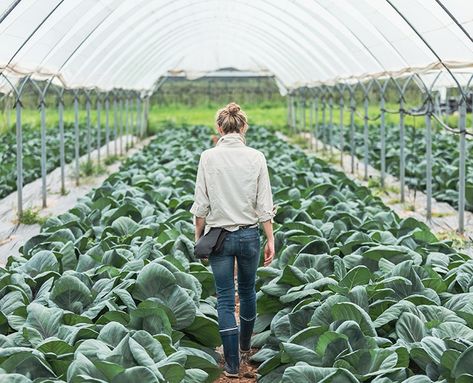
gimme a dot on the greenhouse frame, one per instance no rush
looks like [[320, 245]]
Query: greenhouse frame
[[346, 70]]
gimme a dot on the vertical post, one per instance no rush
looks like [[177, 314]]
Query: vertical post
[[428, 147], [133, 120], [107, 124], [342, 139], [99, 128], [145, 115], [145, 122], [316, 131], [383, 139], [462, 168], [352, 130], [89, 143], [19, 157], [76, 136], [62, 159], [302, 113], [294, 115], [126, 123], [139, 116], [311, 122], [324, 123], [402, 144], [365, 139], [121, 126], [43, 151], [115, 124], [288, 110], [330, 126]]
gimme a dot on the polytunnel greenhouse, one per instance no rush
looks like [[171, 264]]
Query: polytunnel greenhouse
[[361, 115]]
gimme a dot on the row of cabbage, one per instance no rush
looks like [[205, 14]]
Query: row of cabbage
[[109, 291], [445, 158], [32, 152], [355, 293]]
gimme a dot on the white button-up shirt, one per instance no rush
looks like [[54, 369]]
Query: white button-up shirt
[[232, 187]]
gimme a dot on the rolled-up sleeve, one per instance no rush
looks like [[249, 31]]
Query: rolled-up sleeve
[[201, 205], [264, 197]]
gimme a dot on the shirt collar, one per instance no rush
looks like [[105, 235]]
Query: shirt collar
[[231, 139]]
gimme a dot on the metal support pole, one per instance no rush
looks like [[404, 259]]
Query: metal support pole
[[294, 115], [19, 157], [330, 127], [352, 131], [76, 137], [146, 113], [107, 124], [139, 117], [324, 124], [428, 153], [115, 125], [316, 131], [288, 110], [342, 140], [89, 143], [311, 122], [365, 140], [402, 144], [127, 126], [462, 168], [43, 152], [132, 121], [383, 140], [62, 159], [99, 129], [303, 114], [121, 126]]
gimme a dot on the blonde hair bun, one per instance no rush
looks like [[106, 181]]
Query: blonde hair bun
[[233, 108], [232, 119]]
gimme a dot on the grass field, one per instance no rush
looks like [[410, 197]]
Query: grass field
[[272, 115]]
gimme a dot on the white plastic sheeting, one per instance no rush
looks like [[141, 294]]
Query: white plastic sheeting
[[131, 43]]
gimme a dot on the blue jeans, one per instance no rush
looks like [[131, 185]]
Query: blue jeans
[[244, 245]]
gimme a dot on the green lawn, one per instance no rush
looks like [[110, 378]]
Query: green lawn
[[271, 115]]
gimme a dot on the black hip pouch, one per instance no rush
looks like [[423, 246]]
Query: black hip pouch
[[212, 242]]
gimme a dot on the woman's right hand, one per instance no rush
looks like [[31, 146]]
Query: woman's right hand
[[268, 252]]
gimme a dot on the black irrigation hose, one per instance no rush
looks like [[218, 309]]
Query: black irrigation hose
[[366, 117], [448, 128]]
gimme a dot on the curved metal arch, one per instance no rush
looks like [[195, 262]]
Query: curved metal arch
[[34, 32], [172, 32], [454, 19], [354, 35], [190, 31], [12, 86], [78, 45], [150, 48], [185, 32], [278, 8], [460, 89], [131, 37], [150, 63]]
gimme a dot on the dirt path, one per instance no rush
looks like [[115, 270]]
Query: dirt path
[[247, 369]]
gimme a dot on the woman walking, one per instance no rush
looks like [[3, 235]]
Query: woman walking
[[233, 191]]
